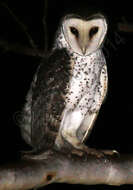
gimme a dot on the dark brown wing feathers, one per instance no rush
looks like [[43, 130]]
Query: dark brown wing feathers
[[48, 102]]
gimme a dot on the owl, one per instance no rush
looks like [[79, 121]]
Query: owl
[[68, 88]]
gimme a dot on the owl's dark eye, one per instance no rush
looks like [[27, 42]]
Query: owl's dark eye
[[74, 31], [93, 31]]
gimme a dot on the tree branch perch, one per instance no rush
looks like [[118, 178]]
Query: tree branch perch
[[125, 27], [24, 50], [62, 168]]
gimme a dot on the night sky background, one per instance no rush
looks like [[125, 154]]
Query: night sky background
[[113, 128]]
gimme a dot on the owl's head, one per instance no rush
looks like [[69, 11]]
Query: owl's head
[[84, 36]]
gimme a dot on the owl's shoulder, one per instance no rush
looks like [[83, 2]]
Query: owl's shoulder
[[54, 69]]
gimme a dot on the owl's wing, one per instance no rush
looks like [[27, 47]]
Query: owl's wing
[[103, 83], [46, 101], [99, 98]]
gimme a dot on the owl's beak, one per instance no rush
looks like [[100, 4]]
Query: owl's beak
[[83, 49], [83, 43]]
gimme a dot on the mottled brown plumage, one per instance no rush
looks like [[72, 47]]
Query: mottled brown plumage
[[45, 100]]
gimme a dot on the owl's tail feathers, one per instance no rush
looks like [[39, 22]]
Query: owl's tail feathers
[[25, 120], [25, 126]]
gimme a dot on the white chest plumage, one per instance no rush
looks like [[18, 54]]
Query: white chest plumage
[[84, 85], [85, 93], [84, 88]]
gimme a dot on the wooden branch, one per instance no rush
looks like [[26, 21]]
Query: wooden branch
[[21, 25], [17, 48], [124, 27], [45, 26], [62, 168]]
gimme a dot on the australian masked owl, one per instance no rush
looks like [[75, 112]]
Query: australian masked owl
[[68, 88]]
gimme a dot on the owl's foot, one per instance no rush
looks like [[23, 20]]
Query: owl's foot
[[42, 156], [88, 151], [92, 151], [110, 152], [81, 149]]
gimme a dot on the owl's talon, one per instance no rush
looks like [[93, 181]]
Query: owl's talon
[[77, 152], [100, 153], [94, 152], [83, 149], [110, 152]]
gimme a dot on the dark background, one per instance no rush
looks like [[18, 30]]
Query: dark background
[[113, 128]]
